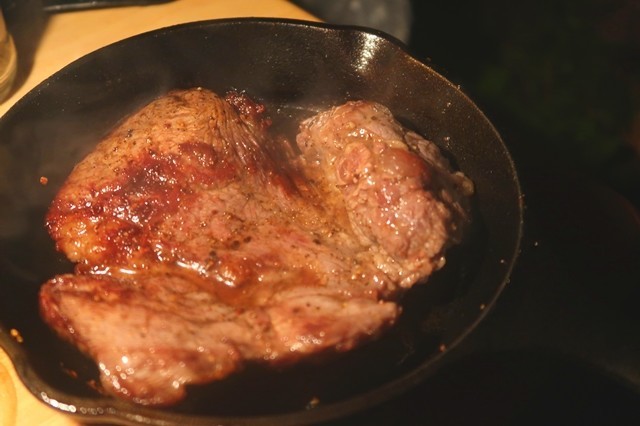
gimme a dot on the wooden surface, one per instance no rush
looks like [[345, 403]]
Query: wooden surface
[[67, 37]]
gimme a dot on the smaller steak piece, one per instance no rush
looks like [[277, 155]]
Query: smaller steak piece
[[202, 243], [403, 201]]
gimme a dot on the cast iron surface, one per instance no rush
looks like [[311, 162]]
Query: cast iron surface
[[294, 68]]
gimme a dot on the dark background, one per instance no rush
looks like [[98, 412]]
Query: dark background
[[564, 75]]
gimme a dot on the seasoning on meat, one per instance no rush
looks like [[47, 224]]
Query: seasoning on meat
[[202, 243]]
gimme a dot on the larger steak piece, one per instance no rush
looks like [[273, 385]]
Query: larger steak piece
[[202, 243]]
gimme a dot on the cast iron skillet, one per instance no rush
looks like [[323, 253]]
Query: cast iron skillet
[[295, 68]]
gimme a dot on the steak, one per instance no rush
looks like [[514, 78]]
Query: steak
[[203, 243]]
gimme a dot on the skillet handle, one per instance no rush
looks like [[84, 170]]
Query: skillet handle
[[55, 6]]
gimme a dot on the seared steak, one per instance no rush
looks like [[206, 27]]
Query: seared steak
[[203, 243]]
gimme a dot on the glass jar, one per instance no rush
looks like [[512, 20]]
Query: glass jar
[[8, 60]]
